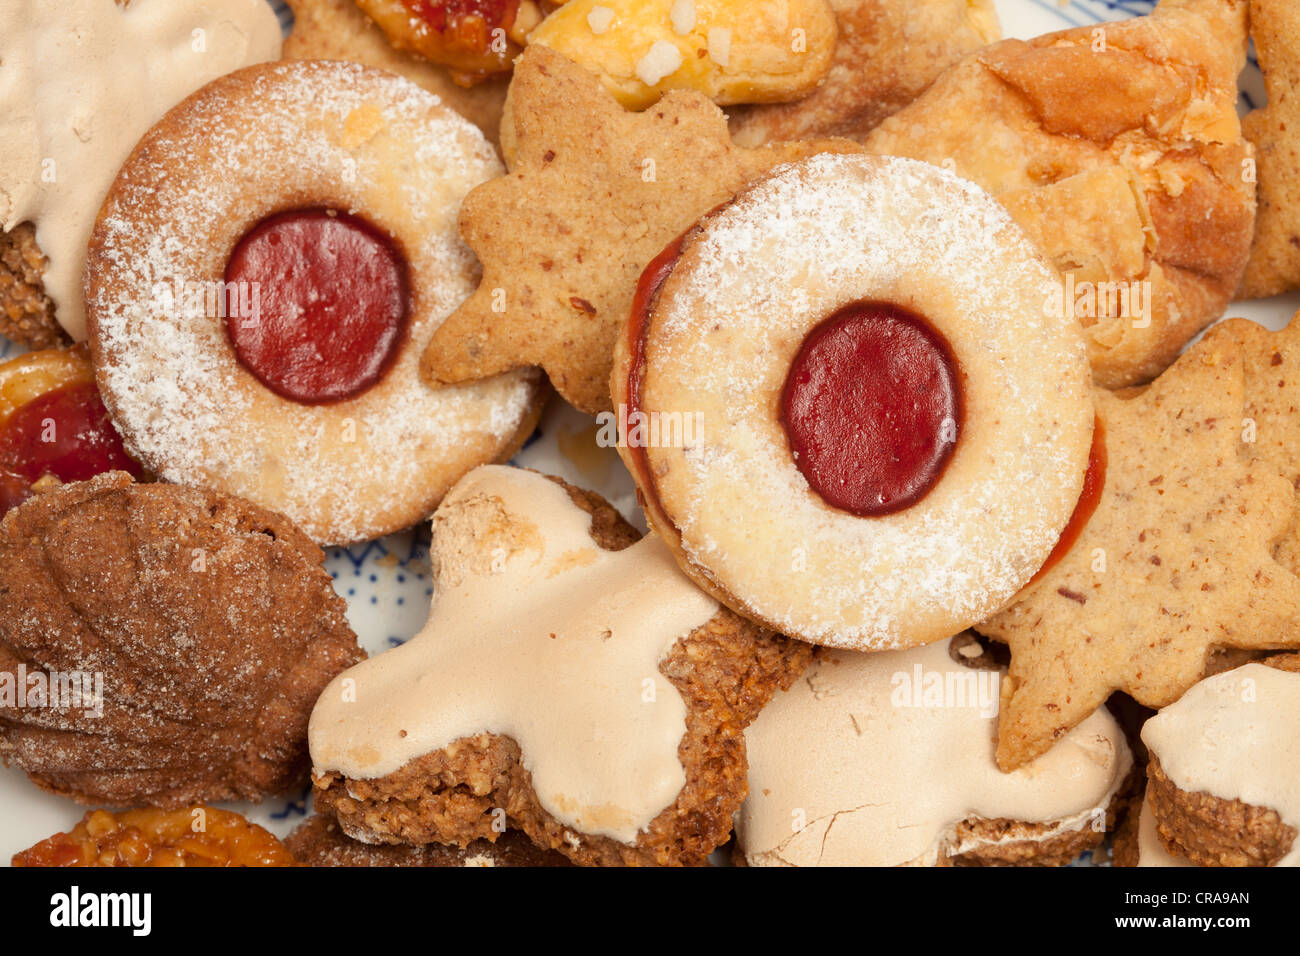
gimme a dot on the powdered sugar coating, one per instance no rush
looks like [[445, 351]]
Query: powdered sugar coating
[[750, 285], [270, 138]]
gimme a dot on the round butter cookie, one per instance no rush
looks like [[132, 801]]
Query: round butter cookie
[[263, 277], [853, 403]]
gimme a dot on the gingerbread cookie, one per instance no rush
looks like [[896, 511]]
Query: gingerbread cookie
[[259, 300], [339, 30], [1274, 265], [1222, 787], [594, 193], [1119, 150], [887, 54], [894, 415], [887, 760], [571, 683], [197, 836], [732, 51], [161, 645], [74, 103], [320, 841], [1176, 559]]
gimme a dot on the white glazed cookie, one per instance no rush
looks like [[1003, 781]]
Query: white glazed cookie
[[887, 759], [295, 135], [80, 82], [768, 500]]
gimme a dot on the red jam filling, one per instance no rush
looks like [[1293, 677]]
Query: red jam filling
[[442, 14], [872, 408], [329, 296], [65, 433], [1094, 480]]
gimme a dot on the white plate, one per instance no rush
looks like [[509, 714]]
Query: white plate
[[386, 583]]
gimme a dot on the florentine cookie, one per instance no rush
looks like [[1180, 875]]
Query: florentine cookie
[[593, 194], [1118, 149], [1176, 559], [1274, 265], [262, 281], [80, 82], [338, 30], [187, 635], [320, 841], [571, 683], [1222, 787], [887, 759], [894, 414], [732, 51], [887, 54]]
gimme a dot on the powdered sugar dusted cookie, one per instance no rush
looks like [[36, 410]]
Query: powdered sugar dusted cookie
[[893, 411], [887, 759], [80, 82], [571, 682]]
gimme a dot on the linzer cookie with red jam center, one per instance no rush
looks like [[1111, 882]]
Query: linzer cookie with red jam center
[[894, 417], [571, 683], [263, 278], [887, 760], [190, 634]]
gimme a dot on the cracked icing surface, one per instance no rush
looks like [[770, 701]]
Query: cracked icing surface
[[80, 82], [540, 635], [749, 286], [883, 772]]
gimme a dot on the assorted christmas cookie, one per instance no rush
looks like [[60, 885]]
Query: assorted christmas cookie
[[1175, 560], [732, 51], [53, 426], [262, 280], [571, 683], [197, 836], [320, 841], [894, 415], [1222, 785], [594, 193], [73, 103], [161, 645], [1274, 264], [887, 759], [1118, 149], [887, 54]]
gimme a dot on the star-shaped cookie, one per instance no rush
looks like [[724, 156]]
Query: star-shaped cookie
[[1176, 560], [1274, 265], [593, 194], [1118, 149]]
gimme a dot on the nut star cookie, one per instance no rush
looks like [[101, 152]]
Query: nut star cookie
[[73, 102], [571, 683], [1118, 149], [894, 414], [1274, 265], [1222, 787], [1175, 560], [339, 30], [888, 53], [593, 194], [887, 760], [198, 628], [733, 51]]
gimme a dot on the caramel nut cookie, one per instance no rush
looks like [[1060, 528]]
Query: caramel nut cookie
[[1274, 265], [1118, 149], [320, 841], [593, 194], [571, 683], [887, 54], [886, 759], [205, 625], [73, 101], [1175, 560]]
